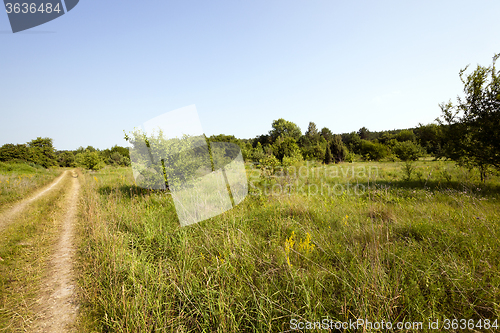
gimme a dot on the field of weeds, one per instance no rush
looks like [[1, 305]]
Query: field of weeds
[[19, 179], [360, 241]]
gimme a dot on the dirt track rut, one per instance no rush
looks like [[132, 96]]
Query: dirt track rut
[[8, 216], [56, 308]]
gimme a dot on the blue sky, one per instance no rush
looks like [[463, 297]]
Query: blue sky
[[108, 66]]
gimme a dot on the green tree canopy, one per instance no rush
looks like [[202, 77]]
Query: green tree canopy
[[471, 131], [285, 146], [90, 160], [338, 150], [282, 127], [312, 132], [43, 152], [405, 135], [326, 133]]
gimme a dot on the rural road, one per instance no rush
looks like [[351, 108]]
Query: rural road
[[57, 307], [8, 216]]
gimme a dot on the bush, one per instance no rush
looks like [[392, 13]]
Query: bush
[[90, 160], [291, 160], [118, 159], [269, 164], [372, 151], [408, 169], [257, 153], [407, 150]]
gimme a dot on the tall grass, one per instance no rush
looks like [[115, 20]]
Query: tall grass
[[419, 250], [20, 179], [25, 249]]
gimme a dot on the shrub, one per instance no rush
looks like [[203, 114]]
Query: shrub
[[373, 151], [90, 160], [118, 159], [269, 164], [407, 150], [408, 169]]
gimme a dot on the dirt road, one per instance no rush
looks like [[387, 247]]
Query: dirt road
[[56, 308], [8, 216]]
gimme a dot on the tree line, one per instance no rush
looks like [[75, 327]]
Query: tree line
[[286, 143], [466, 132], [41, 151]]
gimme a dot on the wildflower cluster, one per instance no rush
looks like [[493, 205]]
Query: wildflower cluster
[[289, 243], [305, 246]]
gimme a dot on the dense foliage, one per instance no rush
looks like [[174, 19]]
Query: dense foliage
[[41, 152], [38, 151], [471, 126]]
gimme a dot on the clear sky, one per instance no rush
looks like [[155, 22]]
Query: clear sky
[[108, 66]]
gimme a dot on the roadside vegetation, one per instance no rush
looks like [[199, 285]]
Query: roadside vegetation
[[25, 249], [20, 179], [401, 250]]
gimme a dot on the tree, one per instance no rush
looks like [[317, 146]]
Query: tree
[[405, 135], [471, 126], [352, 141], [373, 150], [428, 137], [282, 127], [118, 159], [285, 147], [121, 150], [386, 137], [326, 133], [312, 132], [162, 163], [9, 152], [338, 150], [363, 133], [257, 153], [66, 159], [42, 152], [89, 160], [328, 156]]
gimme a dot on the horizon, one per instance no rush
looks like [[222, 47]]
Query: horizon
[[103, 68], [126, 145]]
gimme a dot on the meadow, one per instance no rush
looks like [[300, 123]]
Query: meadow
[[18, 180], [337, 244]]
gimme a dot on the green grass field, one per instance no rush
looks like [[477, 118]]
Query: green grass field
[[20, 179], [375, 247]]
